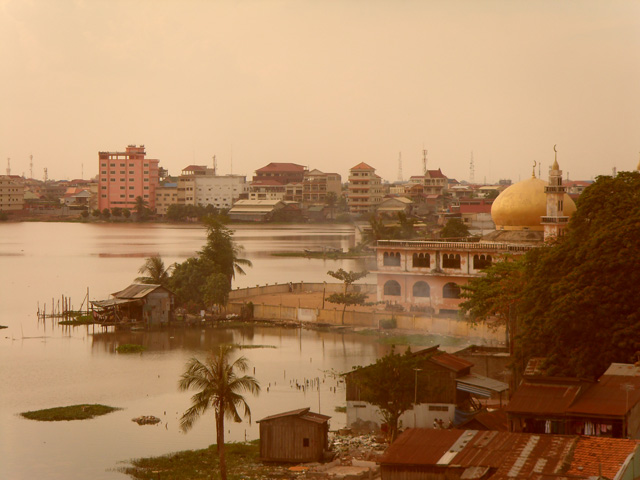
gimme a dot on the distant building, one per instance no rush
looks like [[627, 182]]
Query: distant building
[[278, 181], [11, 194], [365, 189], [124, 176], [199, 185], [316, 185], [166, 195], [255, 210]]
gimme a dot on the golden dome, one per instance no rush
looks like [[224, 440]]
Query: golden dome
[[521, 206]]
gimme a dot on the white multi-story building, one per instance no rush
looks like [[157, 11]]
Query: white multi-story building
[[199, 185], [365, 189]]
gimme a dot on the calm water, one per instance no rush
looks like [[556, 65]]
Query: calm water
[[42, 365]]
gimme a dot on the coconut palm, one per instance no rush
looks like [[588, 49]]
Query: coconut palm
[[219, 387], [155, 271]]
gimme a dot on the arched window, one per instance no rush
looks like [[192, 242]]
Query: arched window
[[450, 260], [451, 290], [392, 288], [391, 259], [421, 289], [481, 261], [421, 260]]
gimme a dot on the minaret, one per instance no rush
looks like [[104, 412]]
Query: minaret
[[555, 221]]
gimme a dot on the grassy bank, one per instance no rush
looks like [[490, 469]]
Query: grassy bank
[[242, 463], [73, 412]]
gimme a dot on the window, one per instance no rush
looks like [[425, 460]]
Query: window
[[450, 260], [481, 261], [146, 187], [103, 164], [104, 196], [451, 290], [121, 187], [132, 172], [122, 172], [112, 164], [392, 288], [123, 164], [131, 196], [131, 164], [438, 408], [391, 259], [421, 260], [113, 179], [104, 187], [132, 187], [112, 172], [104, 172], [421, 289], [305, 442]]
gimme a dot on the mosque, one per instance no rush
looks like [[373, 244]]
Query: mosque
[[427, 275]]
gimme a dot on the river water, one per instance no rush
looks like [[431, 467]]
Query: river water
[[43, 365]]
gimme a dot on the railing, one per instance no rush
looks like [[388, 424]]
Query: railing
[[426, 245]]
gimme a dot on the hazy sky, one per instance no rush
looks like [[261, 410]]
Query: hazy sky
[[327, 84]]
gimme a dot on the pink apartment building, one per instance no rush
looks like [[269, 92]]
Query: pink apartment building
[[124, 176]]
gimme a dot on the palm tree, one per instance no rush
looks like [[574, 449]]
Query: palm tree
[[219, 387], [155, 271], [222, 250]]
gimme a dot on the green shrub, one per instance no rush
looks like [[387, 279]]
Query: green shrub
[[389, 323]]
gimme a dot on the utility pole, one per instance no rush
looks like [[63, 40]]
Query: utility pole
[[400, 167], [472, 170]]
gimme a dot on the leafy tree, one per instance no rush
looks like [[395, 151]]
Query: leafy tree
[[220, 387], [197, 280], [126, 213], [455, 228], [155, 272], [116, 211], [492, 194], [142, 212], [84, 214], [494, 297], [347, 298], [389, 384], [96, 213], [106, 213]]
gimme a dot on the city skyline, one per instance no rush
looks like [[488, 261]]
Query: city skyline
[[326, 85]]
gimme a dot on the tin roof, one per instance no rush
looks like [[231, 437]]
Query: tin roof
[[303, 413], [451, 362], [137, 290], [509, 455], [612, 395], [490, 420], [550, 396]]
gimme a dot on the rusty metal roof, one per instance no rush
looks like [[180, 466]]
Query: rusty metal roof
[[137, 290], [613, 395], [509, 455], [494, 420], [545, 395], [451, 362], [303, 413]]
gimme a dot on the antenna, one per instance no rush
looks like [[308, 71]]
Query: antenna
[[615, 172], [8, 166], [472, 170], [231, 161], [215, 165], [46, 176], [540, 168], [400, 167], [424, 161], [82, 171], [30, 166]]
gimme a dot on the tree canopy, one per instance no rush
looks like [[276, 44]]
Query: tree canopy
[[389, 384], [575, 301], [347, 298], [455, 228]]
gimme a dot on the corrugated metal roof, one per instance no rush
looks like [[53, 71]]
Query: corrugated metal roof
[[451, 362], [626, 369], [510, 455], [545, 396], [613, 395], [484, 383], [494, 420], [303, 413], [136, 290]]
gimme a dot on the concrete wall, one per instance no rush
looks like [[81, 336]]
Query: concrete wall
[[428, 323]]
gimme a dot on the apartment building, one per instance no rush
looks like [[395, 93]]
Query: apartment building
[[124, 176], [365, 189], [11, 193]]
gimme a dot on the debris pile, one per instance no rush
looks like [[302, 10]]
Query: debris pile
[[347, 447], [146, 420]]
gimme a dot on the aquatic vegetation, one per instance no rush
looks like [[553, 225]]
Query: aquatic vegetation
[[72, 412]]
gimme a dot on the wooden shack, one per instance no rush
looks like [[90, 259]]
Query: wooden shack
[[148, 304], [296, 436]]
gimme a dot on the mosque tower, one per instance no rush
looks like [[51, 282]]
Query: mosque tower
[[555, 220]]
